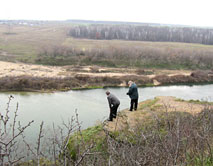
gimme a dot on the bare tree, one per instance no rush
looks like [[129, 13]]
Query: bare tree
[[9, 134]]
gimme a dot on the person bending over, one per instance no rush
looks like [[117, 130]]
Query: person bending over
[[113, 105]]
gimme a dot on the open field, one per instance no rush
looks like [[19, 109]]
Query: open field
[[49, 44], [23, 43]]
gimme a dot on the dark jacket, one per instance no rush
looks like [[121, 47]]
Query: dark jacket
[[113, 101], [133, 91]]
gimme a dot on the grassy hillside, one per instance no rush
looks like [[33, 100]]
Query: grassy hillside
[[50, 44]]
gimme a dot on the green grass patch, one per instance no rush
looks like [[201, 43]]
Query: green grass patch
[[148, 85], [88, 87], [195, 101], [148, 103], [199, 160], [88, 136]]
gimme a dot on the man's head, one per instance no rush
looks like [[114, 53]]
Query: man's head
[[130, 83], [107, 93]]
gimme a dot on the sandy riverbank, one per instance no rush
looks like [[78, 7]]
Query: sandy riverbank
[[19, 76], [20, 69]]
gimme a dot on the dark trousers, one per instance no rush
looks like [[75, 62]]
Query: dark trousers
[[113, 112], [133, 103]]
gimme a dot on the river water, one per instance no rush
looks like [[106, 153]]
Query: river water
[[91, 105]]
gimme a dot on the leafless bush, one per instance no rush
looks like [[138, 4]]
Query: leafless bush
[[145, 56], [27, 83], [9, 133], [172, 138], [50, 148]]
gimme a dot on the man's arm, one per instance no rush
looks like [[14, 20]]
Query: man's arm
[[130, 91], [110, 102]]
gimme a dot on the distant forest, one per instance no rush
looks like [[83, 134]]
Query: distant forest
[[144, 33]]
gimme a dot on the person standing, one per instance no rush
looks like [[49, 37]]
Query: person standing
[[113, 105], [133, 94]]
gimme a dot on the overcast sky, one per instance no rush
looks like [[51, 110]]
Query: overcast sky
[[187, 12]]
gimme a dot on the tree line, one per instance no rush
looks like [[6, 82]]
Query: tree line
[[143, 33]]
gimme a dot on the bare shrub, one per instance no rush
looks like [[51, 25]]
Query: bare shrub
[[10, 131], [51, 148], [144, 56], [172, 138]]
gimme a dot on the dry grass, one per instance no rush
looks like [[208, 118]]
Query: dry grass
[[27, 43]]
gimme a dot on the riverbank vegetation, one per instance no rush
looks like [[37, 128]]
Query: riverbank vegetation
[[156, 134], [84, 81], [131, 54]]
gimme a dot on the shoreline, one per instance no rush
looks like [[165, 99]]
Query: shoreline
[[39, 78], [24, 87]]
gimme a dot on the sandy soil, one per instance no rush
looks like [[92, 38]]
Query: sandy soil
[[20, 69]]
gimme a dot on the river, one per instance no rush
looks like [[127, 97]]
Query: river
[[91, 105]]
